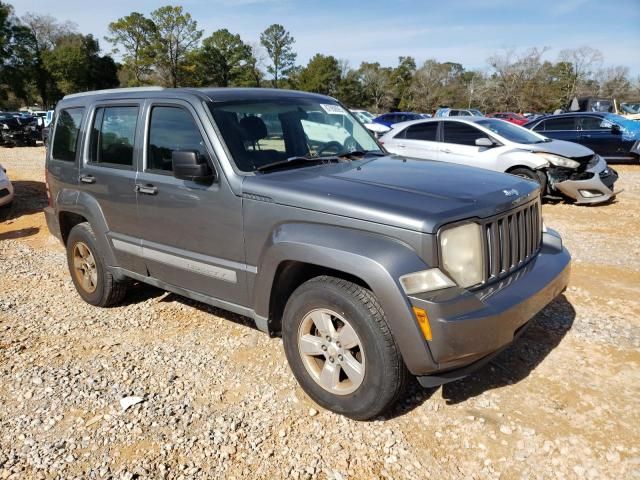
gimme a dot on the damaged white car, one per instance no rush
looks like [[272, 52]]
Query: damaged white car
[[563, 169]]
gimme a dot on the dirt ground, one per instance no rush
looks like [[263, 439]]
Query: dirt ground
[[563, 402]]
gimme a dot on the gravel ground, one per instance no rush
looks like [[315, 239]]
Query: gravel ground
[[219, 401]]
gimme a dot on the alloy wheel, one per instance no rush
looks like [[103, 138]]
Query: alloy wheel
[[331, 351], [84, 267]]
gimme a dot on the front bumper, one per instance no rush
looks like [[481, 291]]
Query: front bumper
[[469, 327], [597, 189]]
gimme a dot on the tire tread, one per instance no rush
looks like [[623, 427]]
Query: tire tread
[[113, 290], [396, 369]]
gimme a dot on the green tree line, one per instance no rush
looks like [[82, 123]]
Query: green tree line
[[43, 59]]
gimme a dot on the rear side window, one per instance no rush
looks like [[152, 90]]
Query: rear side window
[[113, 135], [422, 131], [171, 129], [65, 139], [595, 123], [539, 127], [563, 123], [461, 133]]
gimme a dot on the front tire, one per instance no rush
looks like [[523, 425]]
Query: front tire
[[93, 281], [535, 176], [340, 348]]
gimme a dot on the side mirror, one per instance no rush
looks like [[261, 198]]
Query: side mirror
[[187, 165], [615, 128], [484, 142]]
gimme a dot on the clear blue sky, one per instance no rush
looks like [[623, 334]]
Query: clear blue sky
[[464, 31]]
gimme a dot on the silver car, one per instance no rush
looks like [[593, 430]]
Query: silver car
[[6, 188]]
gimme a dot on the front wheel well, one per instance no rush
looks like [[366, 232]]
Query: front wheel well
[[516, 167], [67, 221], [289, 276], [540, 174]]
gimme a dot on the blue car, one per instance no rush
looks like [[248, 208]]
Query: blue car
[[388, 119], [612, 136]]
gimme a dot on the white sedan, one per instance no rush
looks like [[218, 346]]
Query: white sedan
[[561, 168], [6, 188]]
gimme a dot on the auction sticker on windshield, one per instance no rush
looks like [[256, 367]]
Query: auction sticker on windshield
[[330, 108]]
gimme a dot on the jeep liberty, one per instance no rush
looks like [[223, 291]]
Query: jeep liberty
[[280, 206]]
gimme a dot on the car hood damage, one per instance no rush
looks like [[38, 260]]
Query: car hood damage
[[418, 195], [573, 151]]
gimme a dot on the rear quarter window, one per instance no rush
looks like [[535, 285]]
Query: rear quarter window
[[66, 134], [422, 131]]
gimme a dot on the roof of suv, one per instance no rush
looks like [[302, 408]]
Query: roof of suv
[[212, 94]]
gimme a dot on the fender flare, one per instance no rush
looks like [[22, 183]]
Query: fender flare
[[377, 260], [86, 206]]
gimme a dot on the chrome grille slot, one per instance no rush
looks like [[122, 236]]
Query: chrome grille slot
[[511, 240]]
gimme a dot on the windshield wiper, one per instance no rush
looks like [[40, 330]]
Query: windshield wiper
[[360, 153], [293, 161]]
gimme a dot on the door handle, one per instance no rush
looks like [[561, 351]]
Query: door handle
[[585, 136], [401, 145], [87, 179], [445, 150], [146, 189]]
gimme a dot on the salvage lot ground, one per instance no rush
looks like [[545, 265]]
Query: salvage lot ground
[[220, 401]]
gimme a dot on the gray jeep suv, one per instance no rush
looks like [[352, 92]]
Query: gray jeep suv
[[372, 268]]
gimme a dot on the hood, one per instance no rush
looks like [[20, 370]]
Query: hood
[[571, 150], [631, 128], [420, 195], [376, 127]]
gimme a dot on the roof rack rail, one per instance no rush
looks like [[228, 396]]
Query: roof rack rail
[[115, 90]]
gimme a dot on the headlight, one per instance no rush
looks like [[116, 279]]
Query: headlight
[[425, 281], [559, 161], [5, 126], [462, 254]]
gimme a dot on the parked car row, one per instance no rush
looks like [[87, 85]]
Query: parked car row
[[510, 117], [20, 128], [559, 167]]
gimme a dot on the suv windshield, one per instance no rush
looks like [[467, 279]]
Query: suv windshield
[[511, 132], [258, 133]]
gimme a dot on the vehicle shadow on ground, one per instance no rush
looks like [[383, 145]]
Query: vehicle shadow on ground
[[21, 233], [547, 330], [218, 312], [29, 197], [138, 292], [516, 363]]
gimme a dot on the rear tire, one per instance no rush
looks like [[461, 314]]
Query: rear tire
[[351, 364], [93, 281]]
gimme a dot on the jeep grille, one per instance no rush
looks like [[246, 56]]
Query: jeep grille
[[511, 240]]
